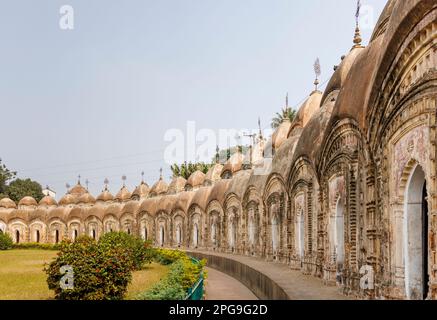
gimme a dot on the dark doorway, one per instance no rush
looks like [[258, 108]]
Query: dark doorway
[[37, 236], [17, 236], [425, 242], [57, 236]]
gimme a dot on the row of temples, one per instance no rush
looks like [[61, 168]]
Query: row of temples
[[351, 182]]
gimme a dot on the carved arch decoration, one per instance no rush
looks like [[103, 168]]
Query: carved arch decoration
[[18, 230], [162, 229], [147, 226], [234, 229], [215, 222], [346, 174], [178, 228], [56, 230], [402, 131], [37, 231], [195, 236], [277, 207], [93, 227], [255, 222], [304, 217]]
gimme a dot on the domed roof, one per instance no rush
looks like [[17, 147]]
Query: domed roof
[[238, 185], [159, 188], [200, 197], [105, 195], [282, 161], [141, 191], [353, 98], [196, 179], [381, 25], [258, 152], [28, 201], [183, 200], [7, 203], [281, 134], [123, 194], [86, 198], [213, 173], [309, 108], [234, 164], [48, 201], [177, 185], [78, 190], [67, 199], [338, 78], [218, 191], [149, 205], [311, 139]]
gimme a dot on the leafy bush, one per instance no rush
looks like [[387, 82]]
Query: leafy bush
[[5, 241], [184, 273], [141, 252], [35, 245], [166, 257], [101, 271]]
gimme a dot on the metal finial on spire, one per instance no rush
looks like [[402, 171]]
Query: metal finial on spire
[[357, 15], [160, 173], [142, 176], [217, 154], [78, 179], [67, 185], [87, 183], [318, 72], [106, 182], [123, 177], [357, 37], [286, 101], [259, 129]]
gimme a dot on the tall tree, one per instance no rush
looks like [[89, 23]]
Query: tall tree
[[225, 154], [6, 175], [286, 113], [20, 188], [185, 170]]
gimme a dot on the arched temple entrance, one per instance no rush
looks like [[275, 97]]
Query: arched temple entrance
[[416, 240], [161, 236], [195, 235], [339, 234]]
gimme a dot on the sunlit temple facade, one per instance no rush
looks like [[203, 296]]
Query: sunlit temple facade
[[351, 181]]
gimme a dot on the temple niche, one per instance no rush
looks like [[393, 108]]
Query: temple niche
[[348, 185]]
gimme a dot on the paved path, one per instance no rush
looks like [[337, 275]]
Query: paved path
[[294, 283], [220, 286]]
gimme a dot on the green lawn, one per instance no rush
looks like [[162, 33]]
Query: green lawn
[[22, 276]]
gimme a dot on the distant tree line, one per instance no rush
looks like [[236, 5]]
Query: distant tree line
[[16, 188]]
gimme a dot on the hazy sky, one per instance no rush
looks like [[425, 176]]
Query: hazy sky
[[97, 100]]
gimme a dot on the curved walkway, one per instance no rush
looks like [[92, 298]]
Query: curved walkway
[[292, 285], [220, 286]]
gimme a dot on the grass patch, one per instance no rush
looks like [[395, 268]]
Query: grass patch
[[22, 276], [144, 279]]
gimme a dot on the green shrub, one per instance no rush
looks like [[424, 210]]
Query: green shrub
[[166, 256], [141, 252], [183, 275], [6, 242], [38, 246], [101, 271]]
